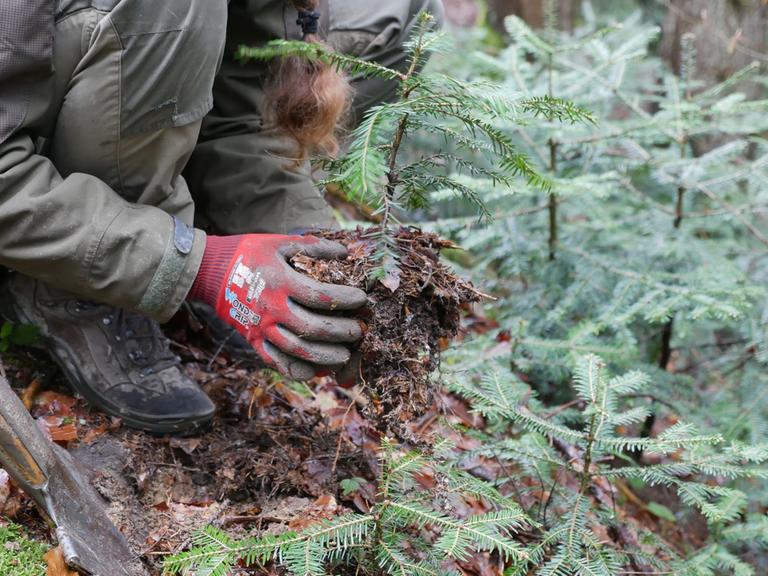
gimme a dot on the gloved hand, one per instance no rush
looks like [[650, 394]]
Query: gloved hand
[[249, 282]]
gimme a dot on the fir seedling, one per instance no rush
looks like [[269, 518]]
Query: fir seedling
[[660, 216], [407, 532], [623, 268], [466, 115], [588, 447]]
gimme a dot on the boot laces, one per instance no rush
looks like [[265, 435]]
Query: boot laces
[[140, 337]]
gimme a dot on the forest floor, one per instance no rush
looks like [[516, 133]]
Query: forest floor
[[276, 457], [279, 456]]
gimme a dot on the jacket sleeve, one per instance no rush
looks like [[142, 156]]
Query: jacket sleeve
[[76, 233]]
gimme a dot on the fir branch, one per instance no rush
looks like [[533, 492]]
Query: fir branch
[[317, 52]]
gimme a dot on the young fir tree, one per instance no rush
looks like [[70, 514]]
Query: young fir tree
[[580, 463], [375, 170]]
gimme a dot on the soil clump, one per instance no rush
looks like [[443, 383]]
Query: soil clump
[[414, 309]]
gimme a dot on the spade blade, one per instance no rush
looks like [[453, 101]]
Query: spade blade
[[48, 474]]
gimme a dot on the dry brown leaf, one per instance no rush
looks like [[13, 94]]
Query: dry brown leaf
[[11, 499], [5, 487], [29, 394], [94, 433], [325, 401], [295, 400], [5, 490], [54, 403], [187, 445], [391, 277], [59, 429]]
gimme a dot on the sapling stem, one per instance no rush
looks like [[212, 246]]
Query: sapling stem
[[552, 206], [668, 332], [406, 89], [551, 24], [665, 352]]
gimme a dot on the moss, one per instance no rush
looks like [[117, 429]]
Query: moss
[[19, 555]]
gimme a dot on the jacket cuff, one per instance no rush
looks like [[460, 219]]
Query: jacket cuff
[[176, 273]]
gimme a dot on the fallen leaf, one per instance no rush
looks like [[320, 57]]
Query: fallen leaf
[[391, 277], [54, 558], [188, 445], [426, 480], [29, 394], [326, 501], [296, 400], [10, 497], [361, 504], [142, 481], [600, 532], [5, 488], [54, 403], [58, 429], [504, 336], [94, 433], [324, 508], [325, 401]]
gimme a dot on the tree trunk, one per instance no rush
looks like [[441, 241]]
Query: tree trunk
[[724, 35], [532, 11]]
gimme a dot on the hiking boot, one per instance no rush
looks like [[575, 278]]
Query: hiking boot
[[118, 361]]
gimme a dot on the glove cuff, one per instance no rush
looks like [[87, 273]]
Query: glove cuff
[[217, 259]]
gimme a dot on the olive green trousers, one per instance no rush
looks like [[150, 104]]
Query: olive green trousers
[[151, 135]]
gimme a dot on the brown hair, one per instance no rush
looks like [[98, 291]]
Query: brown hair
[[309, 98]]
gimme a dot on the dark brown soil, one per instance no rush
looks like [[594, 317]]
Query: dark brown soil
[[414, 309], [272, 461]]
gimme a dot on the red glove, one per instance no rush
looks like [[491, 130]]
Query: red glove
[[251, 285]]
